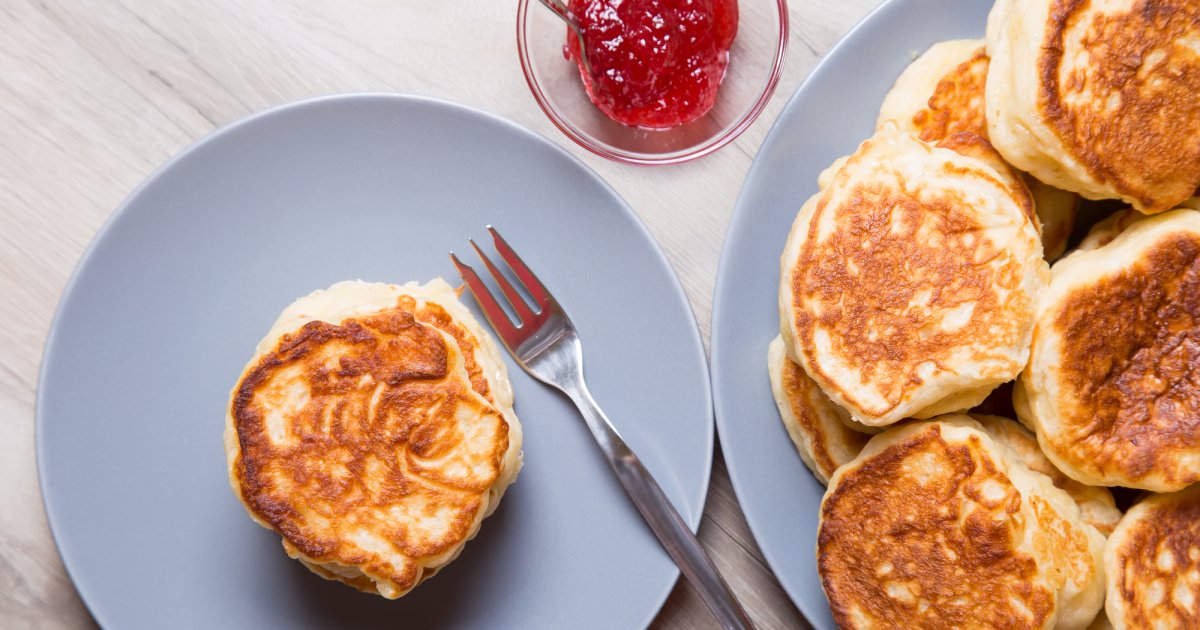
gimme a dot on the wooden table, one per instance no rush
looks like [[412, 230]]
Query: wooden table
[[94, 95]]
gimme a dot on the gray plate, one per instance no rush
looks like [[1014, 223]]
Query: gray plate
[[832, 112], [172, 296]]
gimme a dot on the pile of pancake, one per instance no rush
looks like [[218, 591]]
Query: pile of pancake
[[373, 430], [945, 270]]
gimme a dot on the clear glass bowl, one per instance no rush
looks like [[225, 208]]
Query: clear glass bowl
[[755, 62]]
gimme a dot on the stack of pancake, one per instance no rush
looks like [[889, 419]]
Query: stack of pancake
[[917, 282], [373, 430]]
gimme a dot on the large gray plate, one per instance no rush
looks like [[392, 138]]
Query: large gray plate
[[831, 113], [173, 295]]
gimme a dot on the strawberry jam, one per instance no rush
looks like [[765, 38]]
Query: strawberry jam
[[654, 63]]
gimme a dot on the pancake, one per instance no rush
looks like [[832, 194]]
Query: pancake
[[909, 281], [1096, 505], [1099, 97], [817, 427], [1112, 388], [1105, 231], [1153, 564], [942, 93], [373, 430], [1057, 210], [935, 525]]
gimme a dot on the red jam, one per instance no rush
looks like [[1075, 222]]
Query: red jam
[[654, 63]]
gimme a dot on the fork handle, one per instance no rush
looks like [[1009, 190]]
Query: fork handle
[[679, 541]]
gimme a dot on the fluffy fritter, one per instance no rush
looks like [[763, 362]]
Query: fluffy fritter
[[373, 430], [1105, 231], [908, 282], [1057, 210], [942, 93], [935, 525], [1096, 505], [1099, 97], [1112, 388], [818, 428], [1153, 564]]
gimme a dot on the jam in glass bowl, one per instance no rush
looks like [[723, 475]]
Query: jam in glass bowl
[[623, 119]]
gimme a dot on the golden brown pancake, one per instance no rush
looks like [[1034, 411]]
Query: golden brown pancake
[[1096, 505], [1153, 564], [1099, 97], [934, 525], [373, 430], [942, 93], [1113, 386], [819, 429], [909, 281]]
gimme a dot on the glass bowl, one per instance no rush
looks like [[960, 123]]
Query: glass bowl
[[755, 62]]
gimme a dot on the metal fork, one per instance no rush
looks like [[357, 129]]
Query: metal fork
[[544, 342]]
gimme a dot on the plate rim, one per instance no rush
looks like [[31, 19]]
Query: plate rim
[[723, 281], [401, 99]]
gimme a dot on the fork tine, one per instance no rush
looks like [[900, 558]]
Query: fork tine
[[491, 309], [523, 273], [524, 314]]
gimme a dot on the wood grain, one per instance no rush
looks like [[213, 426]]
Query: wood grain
[[94, 95]]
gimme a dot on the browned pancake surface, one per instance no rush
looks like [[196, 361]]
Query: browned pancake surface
[[923, 535], [1120, 89], [1131, 363], [361, 444], [957, 104], [1154, 564], [899, 244]]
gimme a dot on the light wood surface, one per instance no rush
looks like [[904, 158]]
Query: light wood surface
[[94, 95]]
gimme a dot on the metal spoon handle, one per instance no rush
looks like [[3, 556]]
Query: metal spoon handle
[[564, 13]]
